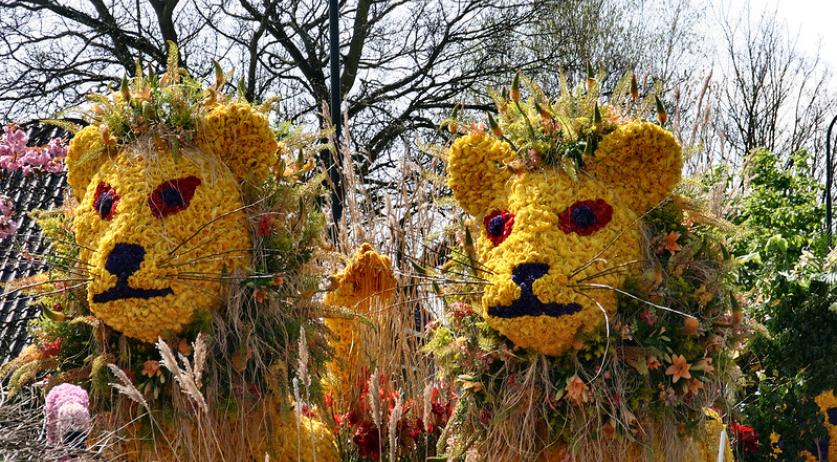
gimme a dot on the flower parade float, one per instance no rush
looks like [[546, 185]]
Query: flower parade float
[[364, 285], [181, 277], [602, 321]]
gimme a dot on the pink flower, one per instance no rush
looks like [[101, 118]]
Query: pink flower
[[66, 413], [16, 155], [7, 226]]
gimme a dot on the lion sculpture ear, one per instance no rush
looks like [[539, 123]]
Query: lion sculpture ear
[[237, 133], [241, 137], [85, 147], [641, 161], [477, 172]]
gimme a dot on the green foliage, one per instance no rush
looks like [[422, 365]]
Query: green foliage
[[789, 359], [792, 360], [779, 217]]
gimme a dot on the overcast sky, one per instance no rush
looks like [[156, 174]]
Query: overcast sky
[[814, 20]]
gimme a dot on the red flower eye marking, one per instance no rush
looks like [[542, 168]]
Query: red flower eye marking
[[172, 196], [105, 200], [585, 217], [498, 225]]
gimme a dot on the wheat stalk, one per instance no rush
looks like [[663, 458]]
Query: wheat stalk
[[185, 378], [126, 387]]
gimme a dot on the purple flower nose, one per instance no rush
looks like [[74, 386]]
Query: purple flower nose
[[124, 260], [526, 274]]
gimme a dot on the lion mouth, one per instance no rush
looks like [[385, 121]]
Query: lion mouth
[[528, 304], [521, 307], [122, 291]]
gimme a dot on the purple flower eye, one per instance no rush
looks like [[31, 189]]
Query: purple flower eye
[[498, 225], [105, 200], [172, 196], [585, 217]]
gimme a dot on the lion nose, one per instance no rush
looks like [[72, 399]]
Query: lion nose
[[526, 274], [124, 260]]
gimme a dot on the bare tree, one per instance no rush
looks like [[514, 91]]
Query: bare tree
[[772, 95], [403, 61]]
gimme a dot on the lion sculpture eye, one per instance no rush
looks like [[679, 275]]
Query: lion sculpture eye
[[105, 200], [498, 225], [172, 196], [585, 217]]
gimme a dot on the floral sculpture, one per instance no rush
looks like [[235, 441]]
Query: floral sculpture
[[602, 327], [66, 415], [365, 284], [826, 447], [182, 277]]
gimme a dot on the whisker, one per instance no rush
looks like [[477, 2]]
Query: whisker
[[615, 269], [218, 277], [607, 333], [613, 241], [245, 253], [412, 301], [51, 292], [42, 256], [628, 294], [209, 257], [440, 279], [41, 283], [199, 244], [586, 265], [465, 275], [214, 220], [478, 266]]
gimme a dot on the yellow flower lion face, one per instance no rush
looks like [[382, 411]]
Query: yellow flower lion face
[[555, 248], [158, 232], [157, 238]]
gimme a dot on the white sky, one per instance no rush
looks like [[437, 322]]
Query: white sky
[[814, 20]]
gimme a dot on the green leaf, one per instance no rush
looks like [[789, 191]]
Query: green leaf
[[470, 251], [126, 92], [419, 269], [173, 62], [219, 75], [241, 90]]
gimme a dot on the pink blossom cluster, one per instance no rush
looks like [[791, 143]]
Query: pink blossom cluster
[[16, 155], [7, 209], [66, 413]]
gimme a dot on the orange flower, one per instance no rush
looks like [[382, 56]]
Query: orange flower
[[690, 326], [670, 242], [577, 390], [151, 368], [695, 386], [477, 129], [705, 365], [184, 348], [679, 368], [653, 363], [260, 294]]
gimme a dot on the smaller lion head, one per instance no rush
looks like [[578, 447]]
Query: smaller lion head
[[554, 247], [158, 229]]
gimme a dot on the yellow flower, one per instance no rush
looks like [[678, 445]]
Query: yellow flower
[[826, 401], [365, 286], [679, 368]]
